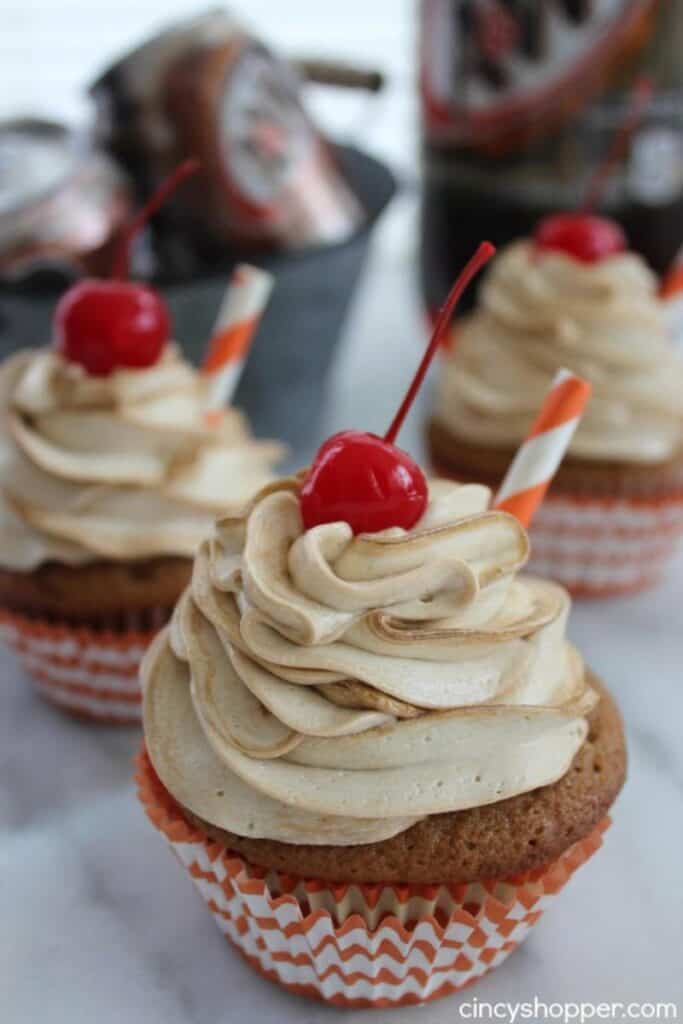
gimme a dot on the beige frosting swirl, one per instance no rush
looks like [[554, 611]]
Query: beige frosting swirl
[[119, 467], [320, 687], [540, 311]]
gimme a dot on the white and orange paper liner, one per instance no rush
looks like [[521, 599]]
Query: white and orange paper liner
[[90, 672], [359, 945], [594, 546], [603, 547]]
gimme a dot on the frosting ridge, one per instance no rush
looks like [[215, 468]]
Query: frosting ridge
[[119, 467], [320, 687], [602, 321]]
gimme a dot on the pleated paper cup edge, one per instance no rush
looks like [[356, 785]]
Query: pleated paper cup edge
[[87, 671], [301, 941]]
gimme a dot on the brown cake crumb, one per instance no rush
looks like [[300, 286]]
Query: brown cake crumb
[[450, 456], [496, 841], [96, 591]]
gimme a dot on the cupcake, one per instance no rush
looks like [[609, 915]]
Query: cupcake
[[111, 474], [109, 484], [573, 296], [377, 755], [366, 736]]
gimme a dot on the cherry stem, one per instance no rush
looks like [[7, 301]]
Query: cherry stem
[[185, 170], [639, 101], [476, 262]]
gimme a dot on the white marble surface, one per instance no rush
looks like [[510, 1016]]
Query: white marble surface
[[97, 920]]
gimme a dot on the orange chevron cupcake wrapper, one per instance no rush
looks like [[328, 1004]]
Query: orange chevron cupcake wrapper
[[602, 547], [359, 945], [90, 672]]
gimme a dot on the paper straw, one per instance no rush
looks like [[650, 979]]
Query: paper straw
[[237, 320], [672, 285], [538, 458]]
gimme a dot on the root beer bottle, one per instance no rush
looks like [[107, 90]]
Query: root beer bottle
[[520, 99]]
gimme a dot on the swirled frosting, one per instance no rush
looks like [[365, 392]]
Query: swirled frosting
[[319, 687], [118, 467], [539, 311]]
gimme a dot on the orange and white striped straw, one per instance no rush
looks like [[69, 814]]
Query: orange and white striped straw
[[536, 462], [672, 285], [238, 318]]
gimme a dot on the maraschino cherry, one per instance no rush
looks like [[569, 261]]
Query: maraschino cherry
[[581, 234], [365, 480], [104, 325]]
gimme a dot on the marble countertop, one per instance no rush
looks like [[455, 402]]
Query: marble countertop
[[98, 921]]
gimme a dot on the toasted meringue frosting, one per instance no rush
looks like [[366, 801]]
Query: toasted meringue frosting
[[118, 467], [603, 321], [319, 687]]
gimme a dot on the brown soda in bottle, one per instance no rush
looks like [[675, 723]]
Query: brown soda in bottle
[[520, 100]]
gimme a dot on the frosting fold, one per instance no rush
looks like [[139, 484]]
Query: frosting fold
[[351, 685], [603, 321], [119, 467]]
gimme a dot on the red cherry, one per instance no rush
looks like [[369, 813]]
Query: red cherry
[[103, 325], [582, 236], [362, 480], [365, 480]]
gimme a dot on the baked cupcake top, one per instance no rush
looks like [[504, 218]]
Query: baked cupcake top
[[119, 467], [320, 687], [603, 320]]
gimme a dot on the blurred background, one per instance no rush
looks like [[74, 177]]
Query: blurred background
[[324, 132], [51, 51]]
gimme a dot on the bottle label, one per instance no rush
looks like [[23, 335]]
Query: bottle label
[[496, 74]]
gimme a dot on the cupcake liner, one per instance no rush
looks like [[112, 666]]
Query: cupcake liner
[[597, 544], [91, 672], [359, 945], [605, 546]]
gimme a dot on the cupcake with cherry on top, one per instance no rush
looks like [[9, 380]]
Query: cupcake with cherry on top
[[366, 735], [110, 475], [573, 295]]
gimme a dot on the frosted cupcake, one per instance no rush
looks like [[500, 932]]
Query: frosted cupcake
[[380, 741], [572, 296], [111, 475], [367, 738]]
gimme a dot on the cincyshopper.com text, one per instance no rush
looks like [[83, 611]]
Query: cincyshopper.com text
[[537, 1010]]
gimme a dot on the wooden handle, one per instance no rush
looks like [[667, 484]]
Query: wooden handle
[[345, 76]]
